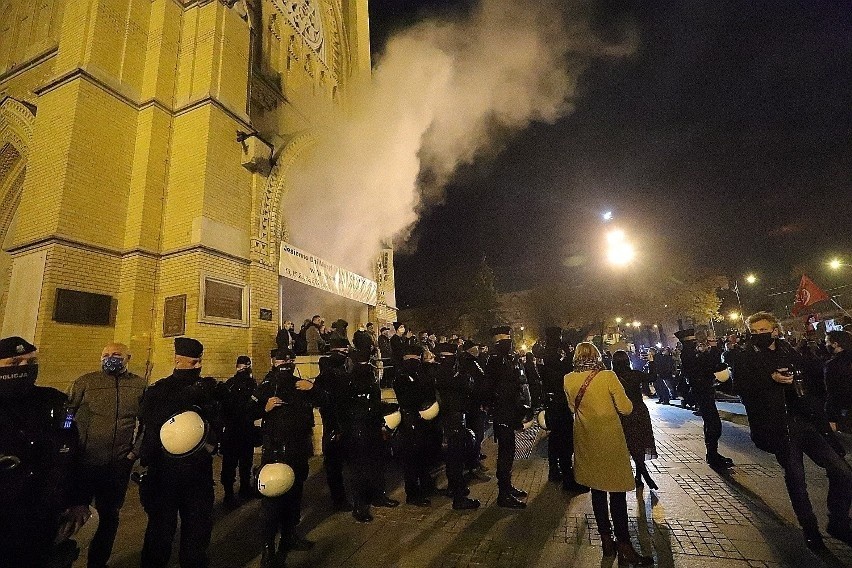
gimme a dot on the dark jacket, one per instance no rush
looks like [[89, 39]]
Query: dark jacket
[[332, 381], [455, 389], [288, 427], [397, 344], [37, 430], [553, 372], [505, 380], [362, 397], [180, 392], [838, 385], [665, 365], [699, 366], [363, 342], [469, 367], [385, 350], [106, 408], [238, 410], [414, 389]]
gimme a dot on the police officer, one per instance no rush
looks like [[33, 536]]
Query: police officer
[[286, 404], [238, 435], [105, 405], [475, 416], [560, 421], [504, 375], [332, 381], [40, 500], [700, 361], [179, 484], [414, 393], [455, 389], [362, 422]]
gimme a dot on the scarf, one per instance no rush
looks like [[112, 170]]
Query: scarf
[[583, 366]]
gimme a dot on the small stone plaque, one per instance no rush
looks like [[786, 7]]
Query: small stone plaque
[[174, 316], [223, 300], [84, 308], [265, 314]]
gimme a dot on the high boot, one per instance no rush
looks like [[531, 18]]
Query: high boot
[[627, 555]]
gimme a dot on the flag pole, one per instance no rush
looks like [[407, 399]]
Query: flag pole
[[833, 301]]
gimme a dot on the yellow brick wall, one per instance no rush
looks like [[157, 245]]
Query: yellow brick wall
[[27, 29]]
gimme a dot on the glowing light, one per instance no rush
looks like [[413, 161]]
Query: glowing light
[[524, 347], [615, 236], [607, 216], [835, 263], [656, 326], [751, 278], [733, 316], [617, 320], [621, 254], [659, 345], [637, 324]]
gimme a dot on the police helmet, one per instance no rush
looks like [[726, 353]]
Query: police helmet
[[430, 412], [275, 479], [392, 420], [541, 419], [723, 375], [184, 433]]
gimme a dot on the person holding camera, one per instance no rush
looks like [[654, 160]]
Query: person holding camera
[[787, 421]]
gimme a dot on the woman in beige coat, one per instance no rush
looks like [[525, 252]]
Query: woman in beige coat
[[601, 459]]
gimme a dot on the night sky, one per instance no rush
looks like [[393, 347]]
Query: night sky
[[725, 139]]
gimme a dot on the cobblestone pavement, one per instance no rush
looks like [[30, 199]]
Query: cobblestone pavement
[[696, 519]]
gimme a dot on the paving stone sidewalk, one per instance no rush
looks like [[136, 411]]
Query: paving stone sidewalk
[[697, 518]]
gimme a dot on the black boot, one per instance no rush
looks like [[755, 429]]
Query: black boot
[[229, 495], [518, 493], [508, 501], [267, 559], [464, 503]]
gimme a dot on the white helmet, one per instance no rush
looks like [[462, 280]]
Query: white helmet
[[183, 433], [529, 423], [723, 375], [392, 420], [275, 479], [430, 412], [541, 418]]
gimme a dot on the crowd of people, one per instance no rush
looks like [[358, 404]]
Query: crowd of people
[[65, 461]]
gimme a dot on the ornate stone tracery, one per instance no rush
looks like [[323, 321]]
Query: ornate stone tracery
[[306, 19]]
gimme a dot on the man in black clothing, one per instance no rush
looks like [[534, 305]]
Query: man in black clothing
[[286, 404], [332, 381], [475, 416], [785, 422], [560, 421], [362, 421], [838, 379], [456, 390], [238, 434], [179, 485], [41, 499], [414, 393], [700, 361], [504, 378]]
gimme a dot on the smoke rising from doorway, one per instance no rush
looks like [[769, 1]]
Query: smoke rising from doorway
[[442, 94]]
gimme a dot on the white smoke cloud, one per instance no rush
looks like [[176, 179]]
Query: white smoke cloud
[[443, 93]]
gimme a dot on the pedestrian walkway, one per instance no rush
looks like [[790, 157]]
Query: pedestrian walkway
[[696, 519]]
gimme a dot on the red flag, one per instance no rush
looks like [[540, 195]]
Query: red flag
[[808, 294]]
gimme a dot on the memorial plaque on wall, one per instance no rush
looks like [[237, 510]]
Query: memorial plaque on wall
[[83, 308], [265, 314], [223, 300], [174, 316]]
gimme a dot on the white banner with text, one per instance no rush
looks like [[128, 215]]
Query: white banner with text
[[308, 269]]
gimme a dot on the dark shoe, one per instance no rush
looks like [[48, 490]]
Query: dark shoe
[[267, 559], [638, 480], [510, 502], [841, 532], [385, 501], [463, 503], [609, 548], [725, 459], [297, 543], [480, 475], [418, 501], [554, 475], [518, 493], [574, 487], [627, 556], [362, 516], [717, 462], [342, 506], [453, 494]]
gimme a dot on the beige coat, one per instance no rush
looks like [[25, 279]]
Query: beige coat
[[601, 459]]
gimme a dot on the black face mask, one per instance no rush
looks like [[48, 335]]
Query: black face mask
[[17, 380], [188, 373], [762, 340], [503, 347], [286, 368]]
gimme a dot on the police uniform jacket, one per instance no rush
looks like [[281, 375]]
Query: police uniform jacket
[[553, 372], [504, 376], [332, 382], [838, 385], [36, 432], [238, 409], [288, 427], [362, 400], [105, 409], [699, 367], [413, 387], [180, 392]]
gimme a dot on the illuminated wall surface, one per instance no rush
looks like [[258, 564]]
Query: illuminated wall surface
[[128, 210]]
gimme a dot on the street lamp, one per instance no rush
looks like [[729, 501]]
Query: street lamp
[[836, 264], [619, 251], [733, 316], [751, 279], [637, 324], [607, 216], [617, 320]]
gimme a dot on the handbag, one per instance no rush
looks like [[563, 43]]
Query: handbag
[[582, 392]]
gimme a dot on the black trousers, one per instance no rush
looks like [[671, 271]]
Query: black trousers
[[705, 399], [333, 454], [282, 514], [476, 420], [663, 394], [415, 445], [168, 496], [107, 485], [505, 436], [560, 443], [805, 439], [460, 448], [618, 508], [237, 455], [365, 453]]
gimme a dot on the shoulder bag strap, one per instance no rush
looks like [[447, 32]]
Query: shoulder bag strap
[[583, 388]]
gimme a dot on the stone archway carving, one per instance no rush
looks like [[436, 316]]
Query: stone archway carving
[[271, 225], [16, 134]]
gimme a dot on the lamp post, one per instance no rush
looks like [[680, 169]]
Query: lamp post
[[751, 280]]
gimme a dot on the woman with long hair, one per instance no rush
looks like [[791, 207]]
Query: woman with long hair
[[601, 458], [637, 425]]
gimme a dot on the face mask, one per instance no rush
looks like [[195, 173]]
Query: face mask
[[17, 380], [113, 365], [187, 373], [287, 368], [762, 340], [504, 346]]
